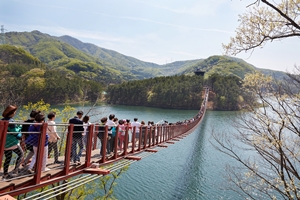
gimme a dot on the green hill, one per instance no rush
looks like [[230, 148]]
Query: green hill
[[65, 58], [24, 78], [228, 66], [70, 56]]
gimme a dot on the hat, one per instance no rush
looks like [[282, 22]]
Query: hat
[[9, 110]]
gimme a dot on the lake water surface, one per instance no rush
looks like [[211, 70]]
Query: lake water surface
[[189, 169]]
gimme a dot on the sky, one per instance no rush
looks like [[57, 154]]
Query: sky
[[157, 31]]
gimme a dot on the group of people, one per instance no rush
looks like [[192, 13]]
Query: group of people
[[24, 139], [112, 123]]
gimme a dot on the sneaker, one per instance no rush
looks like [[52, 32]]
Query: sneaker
[[5, 177], [47, 169], [57, 162], [14, 173], [30, 171]]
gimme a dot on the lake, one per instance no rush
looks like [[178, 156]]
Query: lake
[[189, 169]]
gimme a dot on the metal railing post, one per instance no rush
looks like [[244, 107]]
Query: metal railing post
[[3, 133], [40, 153], [89, 145], [68, 149]]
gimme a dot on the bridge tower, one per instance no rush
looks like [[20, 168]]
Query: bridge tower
[[2, 40]]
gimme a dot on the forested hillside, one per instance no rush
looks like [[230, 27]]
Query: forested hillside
[[24, 78], [60, 69], [71, 56], [180, 92]]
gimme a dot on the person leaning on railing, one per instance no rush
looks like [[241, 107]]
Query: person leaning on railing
[[12, 142]]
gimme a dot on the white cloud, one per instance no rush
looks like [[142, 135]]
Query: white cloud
[[197, 8], [186, 54]]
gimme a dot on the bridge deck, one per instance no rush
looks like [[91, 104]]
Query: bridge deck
[[159, 135]]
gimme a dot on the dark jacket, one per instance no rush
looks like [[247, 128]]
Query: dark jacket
[[33, 138], [25, 127], [78, 130]]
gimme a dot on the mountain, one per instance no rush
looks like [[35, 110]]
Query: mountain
[[71, 56], [226, 65]]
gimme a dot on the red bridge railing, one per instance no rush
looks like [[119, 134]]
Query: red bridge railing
[[148, 139]]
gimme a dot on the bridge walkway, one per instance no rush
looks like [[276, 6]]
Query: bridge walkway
[[91, 162]]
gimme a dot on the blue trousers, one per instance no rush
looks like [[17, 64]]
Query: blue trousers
[[74, 155]]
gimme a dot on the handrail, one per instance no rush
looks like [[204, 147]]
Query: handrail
[[155, 136]]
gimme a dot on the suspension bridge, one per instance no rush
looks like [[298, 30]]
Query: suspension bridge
[[93, 162]]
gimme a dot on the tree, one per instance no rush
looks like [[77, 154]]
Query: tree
[[269, 134], [11, 90], [264, 22]]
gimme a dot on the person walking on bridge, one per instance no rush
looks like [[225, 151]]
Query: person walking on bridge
[[137, 126], [77, 136], [25, 128], [12, 142], [53, 137], [33, 139], [101, 132], [110, 123]]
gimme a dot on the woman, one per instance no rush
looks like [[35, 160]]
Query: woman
[[113, 135], [129, 127], [12, 142], [85, 133], [121, 134], [34, 139], [25, 127]]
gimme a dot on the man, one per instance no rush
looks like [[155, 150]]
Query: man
[[53, 137], [77, 137], [137, 126]]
